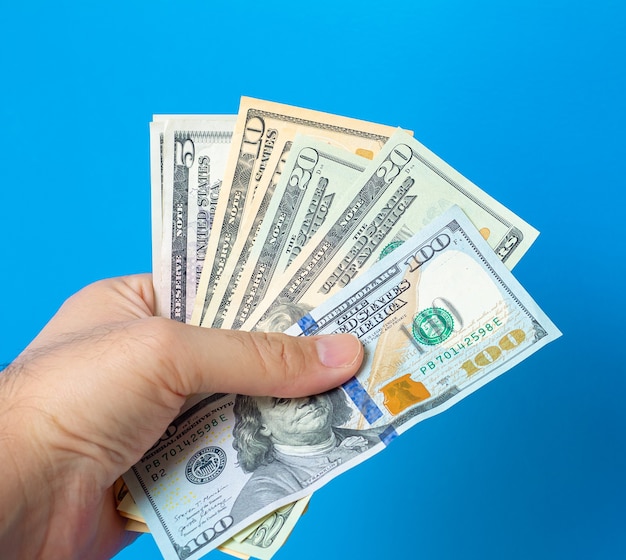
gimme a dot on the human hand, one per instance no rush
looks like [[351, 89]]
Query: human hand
[[100, 384]]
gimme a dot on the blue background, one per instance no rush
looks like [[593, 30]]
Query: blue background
[[526, 98]]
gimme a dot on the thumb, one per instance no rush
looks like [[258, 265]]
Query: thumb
[[258, 363]]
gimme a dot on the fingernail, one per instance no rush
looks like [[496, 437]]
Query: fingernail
[[338, 350]]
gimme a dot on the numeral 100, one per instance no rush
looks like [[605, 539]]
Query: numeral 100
[[490, 354]]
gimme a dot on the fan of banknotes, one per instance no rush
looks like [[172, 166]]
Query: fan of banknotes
[[287, 219]]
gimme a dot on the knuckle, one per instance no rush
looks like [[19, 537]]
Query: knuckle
[[95, 288], [165, 351], [156, 333], [152, 340]]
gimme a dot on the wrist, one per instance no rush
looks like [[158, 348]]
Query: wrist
[[53, 489], [21, 478], [34, 485]]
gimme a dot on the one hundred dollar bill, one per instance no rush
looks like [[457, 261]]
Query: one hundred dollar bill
[[314, 180], [439, 317], [194, 153], [261, 539], [405, 187], [262, 130]]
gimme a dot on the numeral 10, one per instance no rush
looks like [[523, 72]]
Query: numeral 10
[[490, 354]]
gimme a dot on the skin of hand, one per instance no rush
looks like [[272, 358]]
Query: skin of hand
[[100, 384]]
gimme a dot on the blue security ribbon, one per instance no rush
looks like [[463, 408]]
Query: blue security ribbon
[[362, 400], [388, 435], [307, 324]]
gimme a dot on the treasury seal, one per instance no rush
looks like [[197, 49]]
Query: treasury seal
[[432, 326], [389, 248], [205, 465]]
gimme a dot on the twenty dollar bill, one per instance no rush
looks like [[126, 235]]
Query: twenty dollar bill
[[404, 188]]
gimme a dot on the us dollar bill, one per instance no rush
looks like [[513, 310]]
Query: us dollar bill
[[439, 317], [314, 180], [261, 132], [219, 301], [405, 187], [261, 539], [157, 188], [264, 538], [194, 152]]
